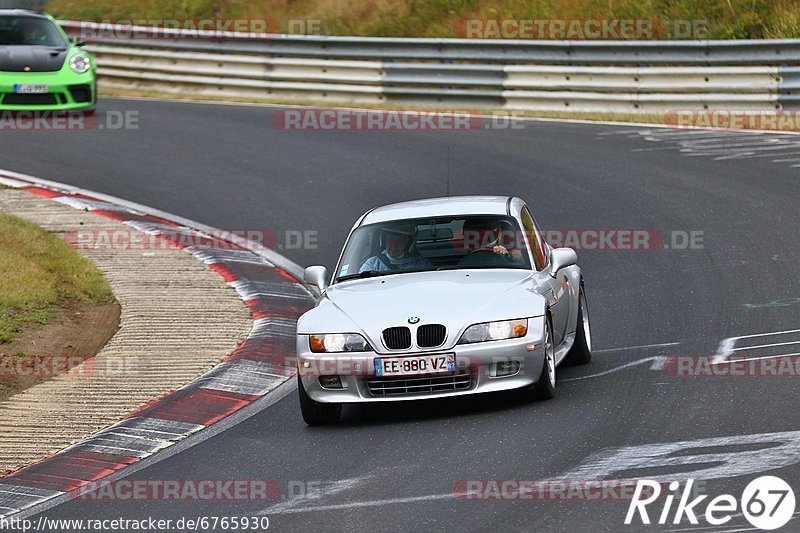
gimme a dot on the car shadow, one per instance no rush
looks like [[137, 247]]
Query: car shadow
[[392, 413]]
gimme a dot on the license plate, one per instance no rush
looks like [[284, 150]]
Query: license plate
[[415, 365], [31, 88]]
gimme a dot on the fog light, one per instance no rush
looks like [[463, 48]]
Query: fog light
[[506, 368], [330, 382]]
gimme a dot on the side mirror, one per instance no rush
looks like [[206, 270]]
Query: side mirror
[[317, 276], [78, 43], [561, 258]]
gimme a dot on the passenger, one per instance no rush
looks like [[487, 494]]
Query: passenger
[[398, 253]]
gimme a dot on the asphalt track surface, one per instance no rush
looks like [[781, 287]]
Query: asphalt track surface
[[395, 467]]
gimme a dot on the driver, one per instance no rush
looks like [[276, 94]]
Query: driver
[[489, 235], [31, 32], [398, 254], [498, 247]]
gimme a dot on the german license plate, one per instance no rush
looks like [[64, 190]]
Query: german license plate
[[31, 88], [415, 365]]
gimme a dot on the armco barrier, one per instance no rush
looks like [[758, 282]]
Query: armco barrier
[[584, 76]]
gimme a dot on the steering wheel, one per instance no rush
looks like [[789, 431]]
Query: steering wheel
[[488, 251], [480, 258]]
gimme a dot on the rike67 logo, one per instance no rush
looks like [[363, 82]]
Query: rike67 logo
[[767, 503]]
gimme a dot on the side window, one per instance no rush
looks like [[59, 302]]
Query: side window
[[534, 238]]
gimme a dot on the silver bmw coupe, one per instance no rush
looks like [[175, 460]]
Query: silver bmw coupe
[[441, 297]]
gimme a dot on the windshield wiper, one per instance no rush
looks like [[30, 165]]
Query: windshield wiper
[[365, 274]]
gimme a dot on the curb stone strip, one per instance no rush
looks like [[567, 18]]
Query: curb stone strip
[[261, 363]]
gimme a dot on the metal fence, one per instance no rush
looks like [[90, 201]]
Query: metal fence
[[586, 76]]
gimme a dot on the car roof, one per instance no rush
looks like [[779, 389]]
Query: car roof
[[439, 207], [22, 12]]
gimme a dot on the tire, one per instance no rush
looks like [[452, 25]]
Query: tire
[[545, 388], [581, 351], [316, 413]]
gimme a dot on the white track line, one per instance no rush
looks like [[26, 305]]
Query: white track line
[[722, 527], [661, 345], [762, 358], [767, 334], [658, 361], [774, 154], [765, 346], [370, 503], [290, 505], [726, 347], [616, 368]]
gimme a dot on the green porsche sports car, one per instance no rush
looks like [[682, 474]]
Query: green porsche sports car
[[41, 68]]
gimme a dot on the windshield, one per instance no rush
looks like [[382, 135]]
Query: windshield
[[29, 31], [449, 243]]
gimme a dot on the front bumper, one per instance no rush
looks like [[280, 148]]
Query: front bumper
[[476, 364], [67, 91]]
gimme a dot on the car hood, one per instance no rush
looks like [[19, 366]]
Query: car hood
[[36, 58], [455, 298]]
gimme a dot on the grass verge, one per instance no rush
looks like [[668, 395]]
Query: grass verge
[[730, 19], [39, 271]]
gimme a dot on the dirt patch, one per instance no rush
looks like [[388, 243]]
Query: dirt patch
[[75, 331]]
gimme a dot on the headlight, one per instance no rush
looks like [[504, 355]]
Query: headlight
[[338, 342], [495, 331], [80, 63]]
